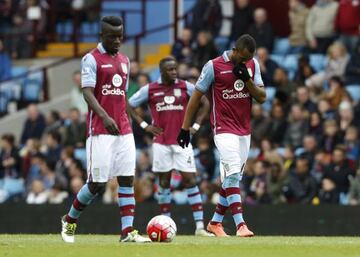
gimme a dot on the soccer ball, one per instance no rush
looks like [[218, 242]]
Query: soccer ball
[[161, 228]]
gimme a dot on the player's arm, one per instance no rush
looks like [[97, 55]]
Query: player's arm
[[134, 102], [94, 105], [88, 82], [202, 85], [203, 111]]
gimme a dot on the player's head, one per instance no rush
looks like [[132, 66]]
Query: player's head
[[244, 49], [111, 33], [168, 69]]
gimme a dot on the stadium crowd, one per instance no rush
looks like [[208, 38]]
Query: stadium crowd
[[305, 139]]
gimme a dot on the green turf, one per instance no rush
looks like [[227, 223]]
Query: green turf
[[184, 246]]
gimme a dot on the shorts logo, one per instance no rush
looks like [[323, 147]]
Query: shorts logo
[[117, 80], [96, 173], [239, 85], [169, 99]]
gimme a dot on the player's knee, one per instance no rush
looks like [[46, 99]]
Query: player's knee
[[189, 180], [232, 180], [125, 181], [164, 182], [97, 188]]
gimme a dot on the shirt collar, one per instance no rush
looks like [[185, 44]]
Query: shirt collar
[[159, 81], [101, 48], [225, 55]]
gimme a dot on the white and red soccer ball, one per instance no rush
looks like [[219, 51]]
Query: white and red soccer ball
[[161, 228]]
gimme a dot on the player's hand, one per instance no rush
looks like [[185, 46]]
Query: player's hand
[[156, 131], [183, 138], [111, 126], [241, 72]]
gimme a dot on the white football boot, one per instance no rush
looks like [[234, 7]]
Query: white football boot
[[134, 236], [203, 232], [67, 231]]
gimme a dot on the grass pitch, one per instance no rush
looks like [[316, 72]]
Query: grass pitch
[[184, 246]]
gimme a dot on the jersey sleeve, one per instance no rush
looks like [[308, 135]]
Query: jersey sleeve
[[189, 88], [257, 76], [139, 97], [206, 78], [88, 71]]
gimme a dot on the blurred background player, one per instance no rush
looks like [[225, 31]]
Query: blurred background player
[[167, 98], [232, 81], [110, 144]]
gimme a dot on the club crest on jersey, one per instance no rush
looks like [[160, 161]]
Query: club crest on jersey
[[250, 72], [117, 80], [177, 92], [239, 85], [124, 68], [169, 99]]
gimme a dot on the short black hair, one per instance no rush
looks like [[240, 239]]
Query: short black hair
[[112, 20], [165, 60], [246, 42], [10, 138]]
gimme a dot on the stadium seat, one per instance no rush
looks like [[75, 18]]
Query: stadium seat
[[31, 91], [281, 46], [317, 61], [80, 154], [290, 63], [277, 58], [89, 30], [3, 103], [11, 89], [354, 91], [270, 93], [221, 43], [154, 74]]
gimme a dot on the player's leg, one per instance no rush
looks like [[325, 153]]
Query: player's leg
[[220, 210], [123, 168], [162, 166], [184, 162], [164, 198], [242, 229], [98, 169]]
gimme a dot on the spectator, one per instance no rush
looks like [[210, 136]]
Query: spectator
[[207, 15], [241, 20], [76, 183], [309, 149], [325, 110], [298, 13], [261, 30], [282, 84], [205, 161], [10, 162], [75, 131], [297, 127], [339, 171], [346, 117], [277, 125], [34, 124], [5, 67], [320, 29], [31, 148], [38, 194], [352, 72], [143, 79], [352, 145], [303, 98], [276, 179], [77, 99], [315, 125], [331, 136], [301, 187], [328, 193], [336, 65], [348, 23], [260, 123], [53, 122], [48, 176], [336, 92], [354, 192], [181, 49], [258, 189], [53, 146], [56, 195], [110, 195], [204, 49], [304, 71], [133, 78], [267, 66]]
